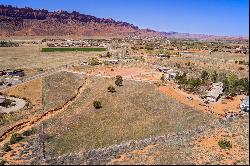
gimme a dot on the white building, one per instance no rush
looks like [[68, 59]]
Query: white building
[[244, 106], [215, 92]]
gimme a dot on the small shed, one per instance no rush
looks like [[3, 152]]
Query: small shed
[[163, 69], [113, 61]]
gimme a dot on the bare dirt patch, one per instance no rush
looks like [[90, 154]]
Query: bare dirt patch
[[31, 90], [219, 108]]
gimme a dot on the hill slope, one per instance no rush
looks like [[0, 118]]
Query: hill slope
[[29, 22]]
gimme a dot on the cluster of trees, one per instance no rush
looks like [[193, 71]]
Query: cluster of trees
[[8, 44], [190, 84], [94, 61], [232, 84]]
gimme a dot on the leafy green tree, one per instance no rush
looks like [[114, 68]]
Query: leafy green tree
[[243, 84], [231, 85], [215, 76], [194, 83], [204, 75]]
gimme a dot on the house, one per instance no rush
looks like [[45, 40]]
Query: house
[[170, 75], [163, 69], [215, 92], [163, 56], [113, 61], [2, 73], [83, 63], [244, 106], [2, 99], [18, 73]]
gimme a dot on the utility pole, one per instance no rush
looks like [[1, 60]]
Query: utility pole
[[42, 141]]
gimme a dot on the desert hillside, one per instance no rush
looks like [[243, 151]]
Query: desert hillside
[[29, 22]]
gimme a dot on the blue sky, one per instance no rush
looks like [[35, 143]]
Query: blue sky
[[215, 17]]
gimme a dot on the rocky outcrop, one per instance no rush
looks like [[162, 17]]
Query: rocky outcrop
[[30, 22]]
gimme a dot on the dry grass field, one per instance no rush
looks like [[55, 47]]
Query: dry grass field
[[201, 150], [63, 102], [134, 111], [219, 61], [31, 57], [43, 95]]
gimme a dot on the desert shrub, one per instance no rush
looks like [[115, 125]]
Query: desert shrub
[[241, 68], [162, 77], [40, 69], [6, 103], [118, 80], [94, 61], [108, 54], [111, 88], [241, 62], [2, 121], [6, 147], [204, 75], [28, 132], [225, 144], [177, 65], [188, 64], [1, 162], [97, 104], [15, 138]]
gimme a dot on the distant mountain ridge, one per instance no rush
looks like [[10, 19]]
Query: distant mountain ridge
[[29, 22], [26, 21]]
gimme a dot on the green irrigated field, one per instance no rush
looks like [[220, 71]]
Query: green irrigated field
[[72, 49]]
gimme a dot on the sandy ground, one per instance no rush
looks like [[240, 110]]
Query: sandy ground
[[31, 90], [208, 146], [17, 149], [218, 108], [227, 105], [128, 72]]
